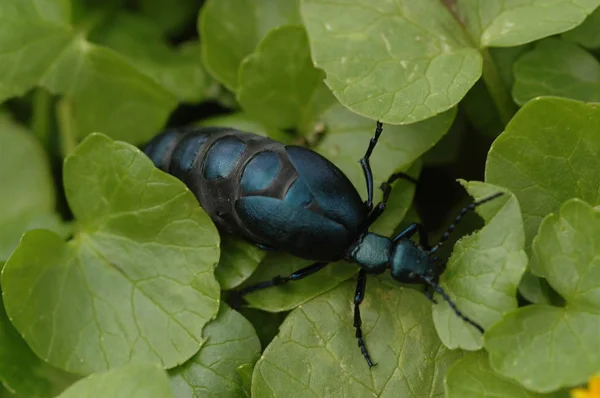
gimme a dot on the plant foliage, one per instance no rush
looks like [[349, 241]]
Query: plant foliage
[[114, 281]]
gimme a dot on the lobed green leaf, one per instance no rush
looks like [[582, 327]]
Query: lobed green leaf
[[548, 153], [21, 370], [136, 284], [231, 29], [231, 342], [505, 23], [557, 67], [132, 381], [278, 83], [399, 62], [472, 377], [315, 353], [483, 272], [178, 70], [544, 347], [28, 195]]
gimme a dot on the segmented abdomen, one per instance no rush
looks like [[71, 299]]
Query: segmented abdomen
[[220, 165]]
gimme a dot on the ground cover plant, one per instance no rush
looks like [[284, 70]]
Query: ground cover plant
[[116, 283]]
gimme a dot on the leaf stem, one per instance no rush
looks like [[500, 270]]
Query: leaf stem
[[41, 118], [500, 95], [66, 126]]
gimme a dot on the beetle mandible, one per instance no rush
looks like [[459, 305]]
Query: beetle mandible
[[290, 198]]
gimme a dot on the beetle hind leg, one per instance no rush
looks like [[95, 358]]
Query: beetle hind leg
[[280, 280]]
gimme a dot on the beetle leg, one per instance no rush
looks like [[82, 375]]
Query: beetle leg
[[359, 295], [386, 187], [280, 280], [366, 166]]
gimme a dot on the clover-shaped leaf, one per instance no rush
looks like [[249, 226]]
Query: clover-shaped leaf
[[472, 377], [41, 48], [231, 29], [399, 62], [231, 342], [544, 347], [557, 67], [272, 93], [135, 284], [316, 353], [505, 23], [548, 153], [484, 271], [28, 195], [132, 381]]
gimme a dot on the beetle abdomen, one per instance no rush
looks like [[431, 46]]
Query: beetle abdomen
[[282, 196]]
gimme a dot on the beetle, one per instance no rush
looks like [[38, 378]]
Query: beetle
[[290, 198]]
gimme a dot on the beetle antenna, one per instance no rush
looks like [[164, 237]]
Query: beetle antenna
[[458, 313], [459, 217]]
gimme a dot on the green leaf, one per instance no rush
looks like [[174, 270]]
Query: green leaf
[[239, 259], [230, 342], [133, 381], [315, 353], [109, 95], [548, 153], [231, 29], [587, 34], [242, 122], [245, 375], [557, 67], [135, 284], [278, 83], [534, 289], [483, 272], [28, 196], [472, 377], [169, 17], [177, 70], [21, 370], [543, 347], [398, 62], [506, 23]]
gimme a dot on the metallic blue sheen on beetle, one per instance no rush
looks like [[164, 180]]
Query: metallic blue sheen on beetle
[[290, 198]]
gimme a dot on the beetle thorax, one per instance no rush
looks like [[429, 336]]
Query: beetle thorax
[[371, 252]]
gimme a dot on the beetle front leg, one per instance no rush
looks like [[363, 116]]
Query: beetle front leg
[[359, 295], [366, 166], [386, 187]]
